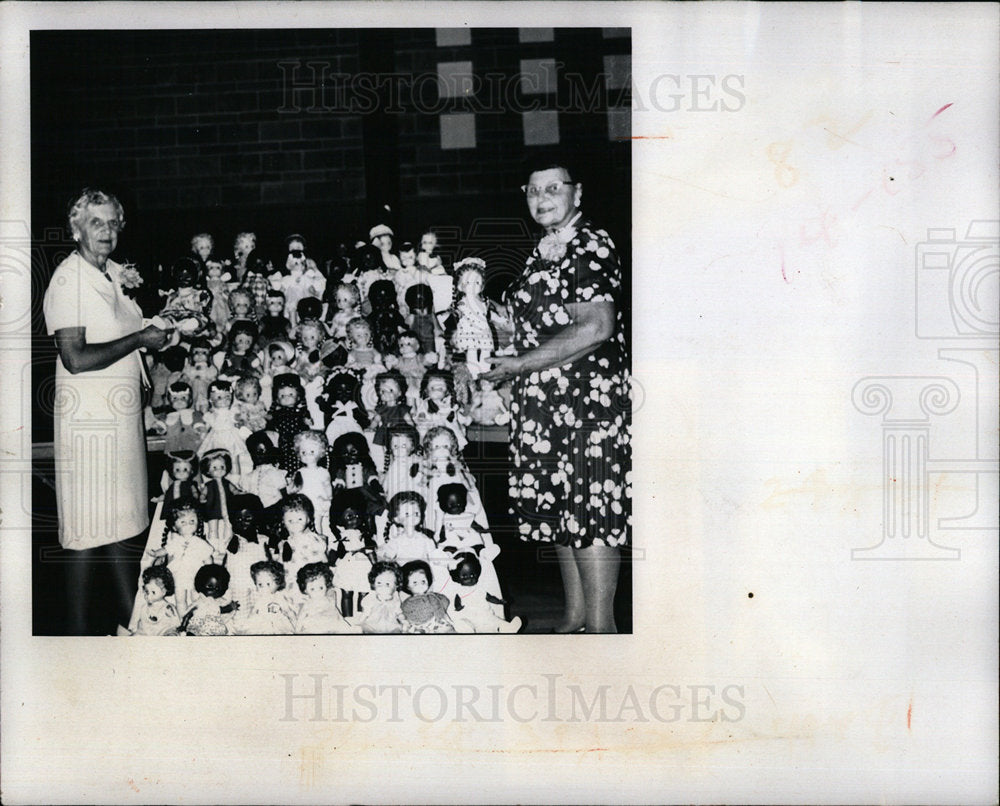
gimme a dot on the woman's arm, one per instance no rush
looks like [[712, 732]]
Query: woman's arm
[[593, 324], [79, 356]]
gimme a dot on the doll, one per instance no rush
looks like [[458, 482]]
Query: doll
[[459, 530], [347, 302], [437, 406], [385, 319], [167, 369], [255, 283], [310, 308], [211, 611], [488, 405], [300, 280], [202, 246], [472, 326], [363, 356], [183, 428], [341, 406], [183, 548], [383, 609], [428, 257], [217, 281], [312, 449], [318, 614], [266, 481], [155, 613], [239, 359], [405, 537], [403, 466], [241, 307], [392, 409], [246, 546], [288, 416], [268, 611], [422, 321], [249, 411], [411, 364], [278, 358], [352, 468], [354, 551], [223, 432], [217, 494], [370, 268], [424, 610], [274, 324], [299, 544], [177, 482], [409, 274], [187, 302], [310, 335], [199, 373], [443, 465], [476, 610]]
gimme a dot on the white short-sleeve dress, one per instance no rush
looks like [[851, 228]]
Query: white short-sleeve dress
[[98, 439]]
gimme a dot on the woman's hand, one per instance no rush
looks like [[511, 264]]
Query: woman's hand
[[505, 368], [153, 338]]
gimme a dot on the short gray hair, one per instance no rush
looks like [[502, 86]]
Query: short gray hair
[[92, 197]]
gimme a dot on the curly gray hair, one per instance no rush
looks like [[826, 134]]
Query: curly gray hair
[[90, 197]]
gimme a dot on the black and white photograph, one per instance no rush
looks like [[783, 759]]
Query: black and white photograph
[[344, 299], [499, 402]]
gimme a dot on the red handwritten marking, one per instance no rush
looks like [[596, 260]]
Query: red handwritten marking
[[940, 111], [909, 711]]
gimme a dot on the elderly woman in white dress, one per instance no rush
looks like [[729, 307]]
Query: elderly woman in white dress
[[98, 438]]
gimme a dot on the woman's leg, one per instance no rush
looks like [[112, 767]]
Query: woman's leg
[[598, 568], [574, 612], [124, 559], [79, 591]]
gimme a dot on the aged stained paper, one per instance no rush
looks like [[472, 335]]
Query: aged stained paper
[[815, 349]]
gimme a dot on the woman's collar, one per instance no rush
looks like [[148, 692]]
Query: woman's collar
[[568, 225]]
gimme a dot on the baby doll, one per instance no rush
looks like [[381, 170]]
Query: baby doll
[[422, 321], [312, 449], [472, 328], [299, 544], [246, 546], [184, 548], [166, 370], [199, 373], [274, 324], [459, 530], [354, 552], [266, 480], [341, 406], [352, 468], [474, 605], [488, 405], [278, 358], [183, 428], [424, 611], [217, 280], [301, 280], [403, 466], [288, 416], [217, 494], [392, 409], [239, 359], [155, 613], [347, 300], [249, 411], [383, 610], [437, 406], [269, 611], [385, 319], [211, 611], [319, 614], [223, 432], [405, 537]]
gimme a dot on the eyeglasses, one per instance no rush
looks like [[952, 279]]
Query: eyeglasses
[[115, 224], [551, 189]]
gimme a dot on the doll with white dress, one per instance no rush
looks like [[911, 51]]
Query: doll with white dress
[[211, 611], [476, 609], [411, 363], [217, 280], [187, 304], [184, 548], [267, 481], [443, 464], [318, 614], [488, 406], [312, 449], [242, 308], [247, 545], [404, 467], [223, 432], [269, 611], [410, 273], [341, 405], [199, 372], [472, 314], [278, 358], [460, 532], [362, 356], [437, 406], [155, 612], [353, 551], [249, 411], [301, 279], [383, 611], [405, 537], [299, 543], [346, 307]]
